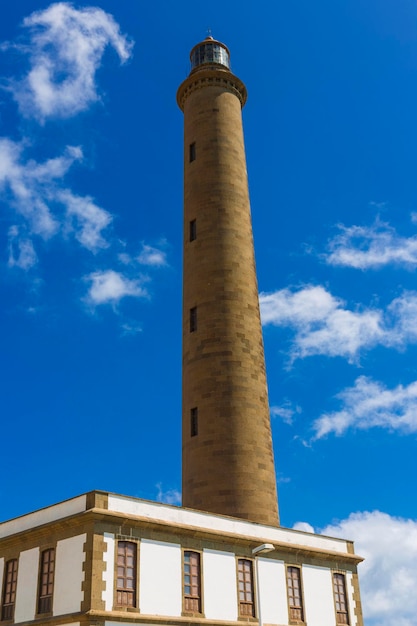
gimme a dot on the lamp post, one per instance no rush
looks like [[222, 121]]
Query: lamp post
[[262, 549]]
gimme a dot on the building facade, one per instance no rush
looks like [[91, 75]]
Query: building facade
[[103, 559]]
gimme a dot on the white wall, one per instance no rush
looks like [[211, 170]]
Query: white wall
[[318, 596], [242, 528], [273, 591], [51, 513], [27, 585], [160, 584], [69, 575], [220, 585], [108, 574]]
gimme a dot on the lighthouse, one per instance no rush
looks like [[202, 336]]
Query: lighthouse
[[228, 464]]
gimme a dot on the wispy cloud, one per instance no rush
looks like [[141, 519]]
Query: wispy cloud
[[323, 325], [21, 251], [35, 192], [389, 572], [64, 48], [27, 185], [285, 412], [150, 255], [370, 404], [402, 316], [169, 496], [371, 247], [109, 287], [85, 219], [130, 328]]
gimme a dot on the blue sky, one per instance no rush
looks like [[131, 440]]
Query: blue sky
[[90, 255]]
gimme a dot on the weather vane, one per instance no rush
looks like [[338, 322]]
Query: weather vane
[[209, 32]]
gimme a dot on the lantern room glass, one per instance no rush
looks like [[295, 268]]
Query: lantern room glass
[[210, 52]]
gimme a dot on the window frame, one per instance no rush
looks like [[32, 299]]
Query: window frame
[[193, 230], [293, 619], [193, 319], [196, 597], [126, 591], [244, 613], [192, 152], [9, 589], [44, 602], [194, 421], [341, 576]]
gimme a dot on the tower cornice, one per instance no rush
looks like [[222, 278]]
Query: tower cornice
[[211, 77]]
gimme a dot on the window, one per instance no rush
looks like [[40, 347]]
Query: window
[[194, 421], [295, 599], [192, 151], [193, 230], [192, 582], [126, 573], [193, 319], [46, 581], [339, 590], [245, 584], [9, 590]]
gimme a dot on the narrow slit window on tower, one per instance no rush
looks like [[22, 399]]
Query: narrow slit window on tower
[[126, 573], [295, 598], [193, 319], [339, 591], [46, 581], [194, 421], [192, 151], [193, 230], [192, 582], [245, 582], [9, 590]]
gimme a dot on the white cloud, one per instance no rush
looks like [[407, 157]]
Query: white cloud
[[171, 496], [65, 50], [21, 251], [109, 287], [305, 527], [124, 258], [35, 192], [369, 404], [152, 256], [322, 324], [27, 185], [388, 574], [86, 219], [130, 328], [285, 412], [365, 247], [402, 313]]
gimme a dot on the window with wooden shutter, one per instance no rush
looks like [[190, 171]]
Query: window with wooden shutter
[[46, 581], [9, 590], [126, 573], [192, 582], [295, 598], [340, 600], [245, 588]]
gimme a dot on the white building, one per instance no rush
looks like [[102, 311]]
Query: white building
[[106, 559]]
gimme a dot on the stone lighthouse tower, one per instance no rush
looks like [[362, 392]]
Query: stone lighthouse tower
[[228, 465]]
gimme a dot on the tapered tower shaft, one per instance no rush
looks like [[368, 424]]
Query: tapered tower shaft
[[228, 465]]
